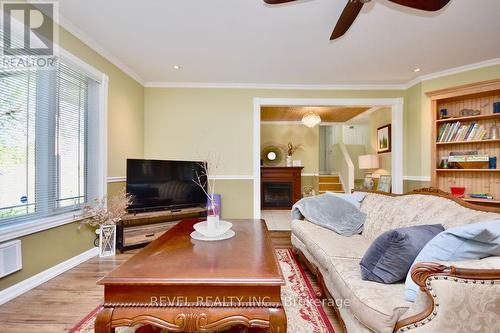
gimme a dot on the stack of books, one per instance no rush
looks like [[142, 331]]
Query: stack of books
[[484, 196], [455, 132], [467, 156]]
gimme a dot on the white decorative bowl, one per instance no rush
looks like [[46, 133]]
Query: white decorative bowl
[[202, 228], [228, 234]]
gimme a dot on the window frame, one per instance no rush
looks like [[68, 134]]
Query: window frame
[[97, 158]]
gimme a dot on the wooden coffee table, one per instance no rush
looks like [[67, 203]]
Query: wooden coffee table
[[185, 285]]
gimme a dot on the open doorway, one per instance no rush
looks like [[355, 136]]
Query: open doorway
[[356, 133]]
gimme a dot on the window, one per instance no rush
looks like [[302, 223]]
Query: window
[[48, 139]]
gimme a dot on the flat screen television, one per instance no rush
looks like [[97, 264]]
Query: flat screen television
[[164, 185]]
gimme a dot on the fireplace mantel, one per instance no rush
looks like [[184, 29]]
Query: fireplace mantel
[[278, 179]]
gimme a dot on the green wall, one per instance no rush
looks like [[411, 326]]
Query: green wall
[[183, 123]]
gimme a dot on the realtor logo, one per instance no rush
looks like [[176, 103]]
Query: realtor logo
[[28, 28]]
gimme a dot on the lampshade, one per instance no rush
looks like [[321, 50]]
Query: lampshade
[[368, 161], [311, 119]]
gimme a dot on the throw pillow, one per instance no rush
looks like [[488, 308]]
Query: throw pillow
[[390, 256], [466, 242]]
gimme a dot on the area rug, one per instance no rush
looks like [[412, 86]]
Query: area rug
[[303, 309]]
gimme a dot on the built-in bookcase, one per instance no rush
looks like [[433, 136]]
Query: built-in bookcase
[[476, 177]]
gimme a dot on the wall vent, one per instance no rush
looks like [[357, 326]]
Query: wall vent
[[10, 258]]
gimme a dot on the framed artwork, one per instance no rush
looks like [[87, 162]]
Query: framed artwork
[[384, 139], [384, 184], [368, 183]]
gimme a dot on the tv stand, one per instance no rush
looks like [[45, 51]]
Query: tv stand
[[138, 229]]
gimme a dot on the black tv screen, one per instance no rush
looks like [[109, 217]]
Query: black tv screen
[[164, 185]]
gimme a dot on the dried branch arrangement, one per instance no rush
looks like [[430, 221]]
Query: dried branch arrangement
[[106, 212], [205, 179], [290, 148]]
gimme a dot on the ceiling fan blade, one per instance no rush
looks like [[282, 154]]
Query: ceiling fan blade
[[346, 19], [429, 5], [277, 2]]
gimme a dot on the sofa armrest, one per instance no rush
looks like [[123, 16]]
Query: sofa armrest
[[458, 299]]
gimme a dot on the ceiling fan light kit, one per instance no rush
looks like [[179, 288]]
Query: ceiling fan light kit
[[353, 7]]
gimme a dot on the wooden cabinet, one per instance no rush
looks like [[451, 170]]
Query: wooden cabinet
[[138, 230], [476, 177]]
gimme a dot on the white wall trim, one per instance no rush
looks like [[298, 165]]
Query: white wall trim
[[314, 174], [451, 71], [418, 178], [42, 277], [120, 179], [123, 179], [78, 33], [19, 229], [354, 86], [215, 85], [396, 104], [232, 177], [296, 122]]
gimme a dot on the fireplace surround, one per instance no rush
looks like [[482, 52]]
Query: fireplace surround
[[280, 187]]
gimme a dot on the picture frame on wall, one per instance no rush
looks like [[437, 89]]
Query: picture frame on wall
[[384, 183], [384, 139]]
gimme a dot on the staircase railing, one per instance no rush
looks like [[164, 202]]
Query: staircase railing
[[342, 162]]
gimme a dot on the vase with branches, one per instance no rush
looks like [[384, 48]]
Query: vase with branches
[[205, 178], [103, 215], [290, 149]]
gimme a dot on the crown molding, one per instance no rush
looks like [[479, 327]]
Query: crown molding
[[75, 31], [451, 71], [275, 86], [381, 86], [70, 27]]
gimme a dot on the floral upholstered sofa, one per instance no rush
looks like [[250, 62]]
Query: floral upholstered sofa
[[458, 297]]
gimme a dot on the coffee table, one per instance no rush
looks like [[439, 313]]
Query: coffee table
[[185, 285]]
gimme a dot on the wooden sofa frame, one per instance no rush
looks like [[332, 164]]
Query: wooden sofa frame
[[421, 272]]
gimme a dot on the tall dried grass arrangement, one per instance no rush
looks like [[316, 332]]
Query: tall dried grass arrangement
[[106, 212]]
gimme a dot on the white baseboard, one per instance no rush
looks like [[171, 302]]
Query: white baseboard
[[42, 277]]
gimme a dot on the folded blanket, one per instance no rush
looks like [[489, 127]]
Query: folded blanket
[[331, 212]]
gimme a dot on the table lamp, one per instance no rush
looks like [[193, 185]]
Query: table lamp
[[369, 163]]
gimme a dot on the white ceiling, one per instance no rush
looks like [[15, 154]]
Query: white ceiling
[[247, 41]]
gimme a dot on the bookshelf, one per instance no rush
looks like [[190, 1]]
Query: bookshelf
[[466, 136]]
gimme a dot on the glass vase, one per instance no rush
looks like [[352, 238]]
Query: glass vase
[[213, 215]]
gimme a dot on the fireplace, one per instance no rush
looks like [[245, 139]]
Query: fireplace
[[277, 194], [280, 187]]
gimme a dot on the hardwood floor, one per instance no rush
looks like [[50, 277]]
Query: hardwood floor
[[59, 304]]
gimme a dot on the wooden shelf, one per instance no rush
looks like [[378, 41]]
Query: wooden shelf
[[466, 142], [468, 170], [490, 201], [475, 178], [470, 118]]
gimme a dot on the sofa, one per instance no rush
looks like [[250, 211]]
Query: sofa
[[454, 297]]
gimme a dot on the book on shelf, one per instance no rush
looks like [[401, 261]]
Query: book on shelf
[[469, 158], [456, 132], [485, 196], [457, 153]]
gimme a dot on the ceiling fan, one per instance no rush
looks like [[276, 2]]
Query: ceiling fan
[[353, 8]]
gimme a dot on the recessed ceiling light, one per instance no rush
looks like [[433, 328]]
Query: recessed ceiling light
[[177, 67], [416, 70]]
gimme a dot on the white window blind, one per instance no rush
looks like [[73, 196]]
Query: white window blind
[[44, 142]]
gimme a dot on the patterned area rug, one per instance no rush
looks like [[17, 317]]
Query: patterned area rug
[[302, 307]]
